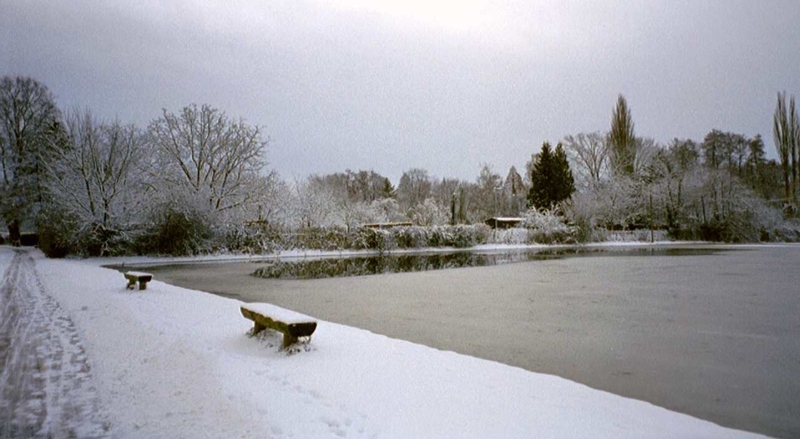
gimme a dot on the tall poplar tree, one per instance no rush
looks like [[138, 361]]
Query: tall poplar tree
[[621, 139], [786, 130]]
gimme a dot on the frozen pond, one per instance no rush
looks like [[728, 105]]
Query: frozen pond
[[715, 335]]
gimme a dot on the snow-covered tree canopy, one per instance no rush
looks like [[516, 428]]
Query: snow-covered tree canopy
[[203, 150], [28, 115], [94, 171]]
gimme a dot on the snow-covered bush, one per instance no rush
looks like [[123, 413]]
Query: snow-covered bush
[[583, 211], [462, 236], [789, 231], [317, 238], [366, 238], [410, 237], [459, 236], [429, 213], [253, 238], [509, 236], [547, 227]]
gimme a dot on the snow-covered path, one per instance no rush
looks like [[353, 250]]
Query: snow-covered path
[[46, 385]]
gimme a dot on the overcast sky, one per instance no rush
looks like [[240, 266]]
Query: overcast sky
[[389, 86]]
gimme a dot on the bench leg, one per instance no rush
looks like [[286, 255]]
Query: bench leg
[[258, 328], [142, 285], [131, 284], [288, 340]]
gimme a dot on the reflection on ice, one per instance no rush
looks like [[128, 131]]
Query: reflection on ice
[[403, 263]]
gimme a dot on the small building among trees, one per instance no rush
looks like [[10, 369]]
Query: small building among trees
[[503, 222]]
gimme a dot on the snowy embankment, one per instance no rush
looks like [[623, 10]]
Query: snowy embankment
[[170, 362]]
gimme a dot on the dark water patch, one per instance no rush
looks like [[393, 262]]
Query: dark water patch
[[406, 263]]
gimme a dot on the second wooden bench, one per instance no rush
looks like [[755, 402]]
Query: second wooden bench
[[291, 324]]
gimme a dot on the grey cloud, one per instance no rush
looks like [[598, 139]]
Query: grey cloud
[[340, 88]]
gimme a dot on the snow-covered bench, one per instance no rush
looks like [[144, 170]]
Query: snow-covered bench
[[293, 325], [137, 276]]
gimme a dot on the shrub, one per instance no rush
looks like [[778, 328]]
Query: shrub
[[410, 237], [437, 236], [175, 233], [374, 239], [56, 230], [98, 240], [547, 227], [509, 236], [322, 238]]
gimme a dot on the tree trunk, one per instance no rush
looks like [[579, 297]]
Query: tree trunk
[[13, 233], [453, 209], [787, 185], [795, 182]]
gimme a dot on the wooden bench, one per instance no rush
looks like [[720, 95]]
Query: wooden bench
[[135, 277], [293, 325]]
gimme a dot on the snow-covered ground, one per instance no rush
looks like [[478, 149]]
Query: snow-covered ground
[[169, 362]]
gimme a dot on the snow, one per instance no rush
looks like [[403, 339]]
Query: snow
[[277, 313], [138, 274], [172, 362]]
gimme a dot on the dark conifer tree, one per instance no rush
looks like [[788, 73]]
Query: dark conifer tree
[[563, 182], [551, 178], [541, 178]]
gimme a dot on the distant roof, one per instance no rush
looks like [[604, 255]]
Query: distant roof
[[382, 225], [506, 218]]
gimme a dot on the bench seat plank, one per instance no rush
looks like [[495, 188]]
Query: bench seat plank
[[277, 313], [139, 274]]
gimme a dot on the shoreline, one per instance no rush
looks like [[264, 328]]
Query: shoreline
[[145, 261]]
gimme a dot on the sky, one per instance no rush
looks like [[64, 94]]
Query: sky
[[392, 85]]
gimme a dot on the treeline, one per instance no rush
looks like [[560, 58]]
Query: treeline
[[198, 181]]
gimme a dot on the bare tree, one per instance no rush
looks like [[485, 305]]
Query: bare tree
[[489, 193], [93, 178], [645, 153], [590, 154], [514, 192], [96, 170], [686, 153], [272, 201], [364, 186], [214, 157], [414, 188], [429, 213], [28, 116], [315, 204]]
